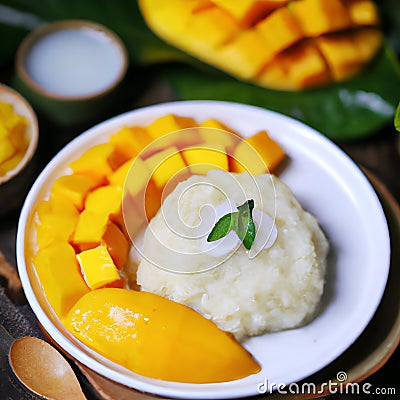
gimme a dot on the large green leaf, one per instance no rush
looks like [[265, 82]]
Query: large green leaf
[[342, 111]]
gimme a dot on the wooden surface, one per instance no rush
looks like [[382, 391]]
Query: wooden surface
[[380, 154]]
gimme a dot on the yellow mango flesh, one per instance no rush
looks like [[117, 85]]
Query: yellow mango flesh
[[247, 54], [261, 41], [97, 267], [157, 338], [90, 228], [169, 123], [60, 276], [285, 28], [55, 221], [130, 141], [363, 12], [203, 159], [257, 154], [165, 164], [95, 162], [247, 11], [117, 245], [74, 187], [316, 17], [13, 141]]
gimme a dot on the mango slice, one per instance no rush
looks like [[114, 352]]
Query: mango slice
[[158, 338], [60, 276], [261, 41]]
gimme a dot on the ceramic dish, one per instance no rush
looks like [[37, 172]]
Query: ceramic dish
[[21, 107], [14, 185], [326, 182]]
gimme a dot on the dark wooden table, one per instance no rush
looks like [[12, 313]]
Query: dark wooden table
[[379, 153]]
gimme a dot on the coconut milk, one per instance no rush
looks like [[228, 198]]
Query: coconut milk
[[74, 62]]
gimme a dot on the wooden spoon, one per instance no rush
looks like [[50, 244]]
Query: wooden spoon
[[43, 370]]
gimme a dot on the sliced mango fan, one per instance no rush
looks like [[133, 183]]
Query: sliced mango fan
[[277, 44]]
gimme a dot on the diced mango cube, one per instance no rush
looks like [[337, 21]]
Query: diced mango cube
[[205, 158], [363, 12], [90, 228], [280, 30], [130, 141], [298, 67], [165, 164], [317, 17], [11, 163], [97, 267], [116, 244], [75, 187], [341, 54], [211, 27], [169, 123], [247, 54], [247, 11], [257, 154], [95, 162], [368, 41], [105, 200], [138, 176], [56, 222], [7, 150], [6, 110], [229, 139], [60, 276], [17, 133]]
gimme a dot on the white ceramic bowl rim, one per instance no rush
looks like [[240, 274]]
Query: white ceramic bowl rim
[[332, 161]]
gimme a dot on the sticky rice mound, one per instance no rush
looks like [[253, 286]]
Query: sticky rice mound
[[278, 289]]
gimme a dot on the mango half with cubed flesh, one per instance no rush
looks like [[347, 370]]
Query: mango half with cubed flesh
[[157, 337], [279, 44]]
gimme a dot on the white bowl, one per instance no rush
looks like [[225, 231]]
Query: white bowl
[[326, 182]]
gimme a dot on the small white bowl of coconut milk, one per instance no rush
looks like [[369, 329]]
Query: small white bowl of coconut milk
[[69, 69]]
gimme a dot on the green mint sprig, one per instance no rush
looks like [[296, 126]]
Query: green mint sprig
[[240, 222]]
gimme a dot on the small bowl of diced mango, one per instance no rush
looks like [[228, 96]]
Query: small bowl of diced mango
[[18, 142]]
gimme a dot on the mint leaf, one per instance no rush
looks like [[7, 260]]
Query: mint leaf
[[246, 228], [223, 226], [241, 222]]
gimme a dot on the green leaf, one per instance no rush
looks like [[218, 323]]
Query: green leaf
[[246, 229], [223, 226], [350, 110], [397, 118], [241, 222]]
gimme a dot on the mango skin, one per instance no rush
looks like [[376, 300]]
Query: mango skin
[[157, 338]]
